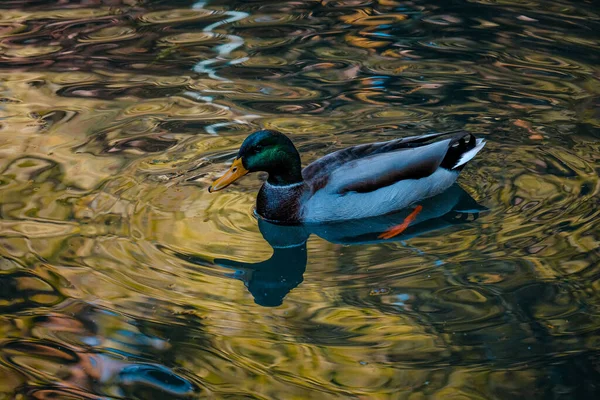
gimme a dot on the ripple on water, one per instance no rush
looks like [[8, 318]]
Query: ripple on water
[[362, 18], [345, 53], [23, 290], [113, 33], [63, 342], [304, 125], [109, 285], [450, 44], [204, 38], [10, 30], [540, 67], [347, 3], [19, 52], [276, 31], [248, 90], [58, 14], [180, 15], [176, 107], [421, 68], [265, 62], [75, 77], [270, 19]]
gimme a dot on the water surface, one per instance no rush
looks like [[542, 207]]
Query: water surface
[[122, 277]]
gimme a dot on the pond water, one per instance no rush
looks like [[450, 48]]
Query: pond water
[[122, 277]]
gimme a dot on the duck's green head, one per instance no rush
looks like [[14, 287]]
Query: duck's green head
[[267, 151]]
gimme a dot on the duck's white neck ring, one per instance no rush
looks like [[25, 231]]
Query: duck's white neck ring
[[291, 185]]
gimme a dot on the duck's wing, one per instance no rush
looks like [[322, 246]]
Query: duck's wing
[[368, 167]]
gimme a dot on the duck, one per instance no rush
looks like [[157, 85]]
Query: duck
[[357, 182]]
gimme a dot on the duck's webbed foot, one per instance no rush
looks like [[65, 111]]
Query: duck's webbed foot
[[398, 229]]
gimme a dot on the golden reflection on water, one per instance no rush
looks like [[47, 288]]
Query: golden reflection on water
[[115, 116]]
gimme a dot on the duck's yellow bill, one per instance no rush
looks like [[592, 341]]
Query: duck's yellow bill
[[236, 171]]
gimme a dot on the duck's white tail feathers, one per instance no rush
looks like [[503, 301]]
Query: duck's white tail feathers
[[468, 155]]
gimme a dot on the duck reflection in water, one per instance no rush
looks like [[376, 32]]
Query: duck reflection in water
[[271, 280]]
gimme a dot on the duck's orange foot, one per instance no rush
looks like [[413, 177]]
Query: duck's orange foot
[[398, 229]]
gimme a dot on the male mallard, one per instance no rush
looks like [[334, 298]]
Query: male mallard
[[356, 182]]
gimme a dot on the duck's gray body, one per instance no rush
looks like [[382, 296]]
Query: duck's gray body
[[369, 180]]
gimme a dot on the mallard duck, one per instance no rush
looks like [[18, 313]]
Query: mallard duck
[[353, 183]]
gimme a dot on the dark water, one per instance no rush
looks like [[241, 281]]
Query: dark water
[[121, 277]]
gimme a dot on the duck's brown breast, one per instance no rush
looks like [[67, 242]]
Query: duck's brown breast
[[281, 203]]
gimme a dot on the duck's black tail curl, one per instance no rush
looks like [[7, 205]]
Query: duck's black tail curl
[[461, 149]]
